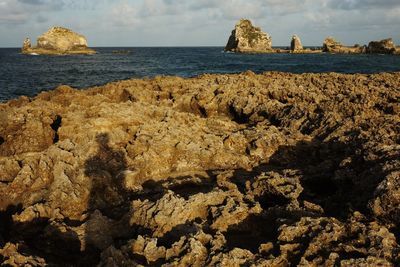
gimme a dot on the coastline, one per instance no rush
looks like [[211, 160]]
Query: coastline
[[191, 170]]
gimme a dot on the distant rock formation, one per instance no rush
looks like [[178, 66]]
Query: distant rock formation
[[295, 44], [385, 46], [330, 45], [248, 38], [27, 44], [58, 41]]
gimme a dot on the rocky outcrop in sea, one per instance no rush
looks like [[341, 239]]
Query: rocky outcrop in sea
[[330, 45], [385, 46], [58, 41], [275, 169], [246, 38], [295, 44]]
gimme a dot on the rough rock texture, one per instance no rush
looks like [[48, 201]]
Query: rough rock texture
[[385, 46], [246, 38], [295, 44], [274, 169], [330, 45], [59, 40]]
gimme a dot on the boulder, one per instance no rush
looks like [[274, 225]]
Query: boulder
[[58, 40], [248, 38], [385, 46], [295, 44]]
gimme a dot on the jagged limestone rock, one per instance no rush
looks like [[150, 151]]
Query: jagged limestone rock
[[272, 169], [248, 38], [59, 40]]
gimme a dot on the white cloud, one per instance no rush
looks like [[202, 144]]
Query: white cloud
[[191, 22]]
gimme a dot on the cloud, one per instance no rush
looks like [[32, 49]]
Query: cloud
[[191, 22], [363, 4], [32, 2], [124, 14], [21, 11]]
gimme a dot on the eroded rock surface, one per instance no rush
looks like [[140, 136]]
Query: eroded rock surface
[[274, 169], [246, 38], [58, 40]]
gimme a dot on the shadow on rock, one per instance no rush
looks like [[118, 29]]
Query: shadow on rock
[[309, 179], [105, 171], [184, 186], [41, 242], [333, 174]]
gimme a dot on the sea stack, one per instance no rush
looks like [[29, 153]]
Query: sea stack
[[26, 45], [295, 44], [58, 41], [385, 46], [246, 38]]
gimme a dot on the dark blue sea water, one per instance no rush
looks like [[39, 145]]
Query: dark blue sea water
[[28, 75]]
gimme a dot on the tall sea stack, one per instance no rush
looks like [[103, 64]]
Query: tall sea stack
[[295, 44], [246, 38]]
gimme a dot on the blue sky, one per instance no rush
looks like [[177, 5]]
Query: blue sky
[[200, 23]]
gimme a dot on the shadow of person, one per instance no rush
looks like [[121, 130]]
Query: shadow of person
[[106, 173], [58, 243]]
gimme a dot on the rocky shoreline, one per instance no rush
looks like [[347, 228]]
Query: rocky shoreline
[[275, 169]]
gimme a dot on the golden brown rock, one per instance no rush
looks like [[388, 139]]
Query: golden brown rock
[[274, 169], [295, 44], [246, 38], [330, 45], [58, 41]]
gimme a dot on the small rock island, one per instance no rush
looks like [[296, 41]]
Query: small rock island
[[58, 41], [248, 38]]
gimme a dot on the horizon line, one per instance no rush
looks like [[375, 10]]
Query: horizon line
[[165, 46]]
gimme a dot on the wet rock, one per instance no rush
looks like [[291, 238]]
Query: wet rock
[[247, 38]]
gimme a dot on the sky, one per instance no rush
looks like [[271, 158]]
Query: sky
[[201, 22]]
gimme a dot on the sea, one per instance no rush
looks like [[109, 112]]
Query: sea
[[28, 75]]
